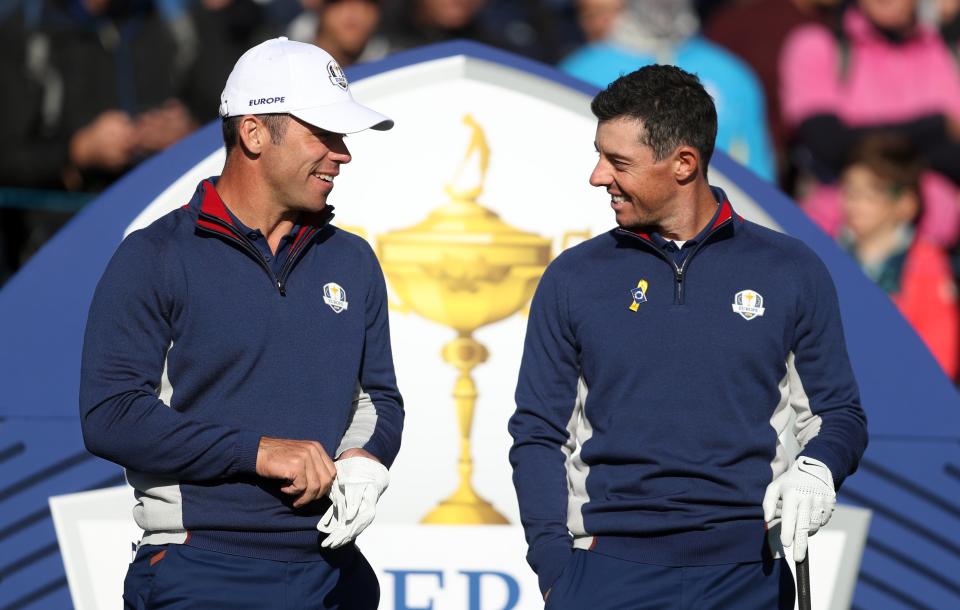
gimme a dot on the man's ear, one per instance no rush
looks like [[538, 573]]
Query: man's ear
[[686, 163], [252, 133]]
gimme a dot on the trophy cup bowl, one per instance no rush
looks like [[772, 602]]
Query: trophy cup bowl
[[463, 267]]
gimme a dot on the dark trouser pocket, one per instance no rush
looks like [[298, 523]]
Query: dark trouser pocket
[[138, 583], [558, 592]]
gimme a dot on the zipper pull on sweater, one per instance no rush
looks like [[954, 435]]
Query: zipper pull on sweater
[[678, 273]]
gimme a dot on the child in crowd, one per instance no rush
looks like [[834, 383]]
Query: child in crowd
[[881, 205]]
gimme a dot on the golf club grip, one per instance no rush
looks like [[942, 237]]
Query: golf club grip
[[803, 582]]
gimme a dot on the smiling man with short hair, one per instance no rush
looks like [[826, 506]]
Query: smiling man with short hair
[[665, 361], [237, 362]]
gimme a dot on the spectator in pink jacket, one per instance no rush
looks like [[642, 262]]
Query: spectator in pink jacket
[[879, 70]]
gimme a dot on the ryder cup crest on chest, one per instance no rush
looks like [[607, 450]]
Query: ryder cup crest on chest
[[335, 296], [749, 304]]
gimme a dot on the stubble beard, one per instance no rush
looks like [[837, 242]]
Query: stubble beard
[[639, 223]]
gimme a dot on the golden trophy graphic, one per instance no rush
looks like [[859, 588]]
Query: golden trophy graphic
[[464, 267]]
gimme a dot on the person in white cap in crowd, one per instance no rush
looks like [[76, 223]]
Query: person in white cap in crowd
[[237, 362]]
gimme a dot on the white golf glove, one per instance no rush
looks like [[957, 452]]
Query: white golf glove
[[804, 498], [358, 485]]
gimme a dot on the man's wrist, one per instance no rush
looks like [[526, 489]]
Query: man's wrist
[[248, 452], [550, 560], [816, 468], [358, 452]]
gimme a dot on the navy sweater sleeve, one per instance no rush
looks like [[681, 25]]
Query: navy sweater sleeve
[[377, 377], [127, 337], [546, 396], [839, 437]]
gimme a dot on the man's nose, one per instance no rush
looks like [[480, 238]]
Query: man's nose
[[600, 175], [339, 152]]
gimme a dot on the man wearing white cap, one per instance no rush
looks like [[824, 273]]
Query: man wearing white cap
[[237, 362]]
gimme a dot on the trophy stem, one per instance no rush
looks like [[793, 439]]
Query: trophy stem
[[465, 506]]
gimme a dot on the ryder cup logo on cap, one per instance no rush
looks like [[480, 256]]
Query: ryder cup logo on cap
[[284, 76], [337, 76]]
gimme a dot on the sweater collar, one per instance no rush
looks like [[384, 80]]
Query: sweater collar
[[207, 202], [723, 217]]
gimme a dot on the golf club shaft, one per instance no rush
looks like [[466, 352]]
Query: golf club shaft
[[803, 582]]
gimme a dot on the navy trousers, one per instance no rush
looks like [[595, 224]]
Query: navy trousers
[[181, 577], [599, 582]]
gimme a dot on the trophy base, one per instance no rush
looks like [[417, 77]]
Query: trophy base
[[478, 512]]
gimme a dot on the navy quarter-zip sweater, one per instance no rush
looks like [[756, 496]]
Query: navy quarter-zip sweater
[[196, 347], [653, 396]]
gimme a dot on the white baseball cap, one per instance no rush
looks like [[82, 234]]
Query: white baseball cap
[[301, 79]]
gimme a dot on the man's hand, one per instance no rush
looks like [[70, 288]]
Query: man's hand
[[162, 126], [804, 497], [304, 464], [107, 142], [359, 484]]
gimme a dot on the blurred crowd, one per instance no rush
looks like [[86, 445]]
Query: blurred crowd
[[850, 106]]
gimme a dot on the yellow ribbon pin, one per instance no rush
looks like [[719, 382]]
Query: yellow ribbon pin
[[639, 295]]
